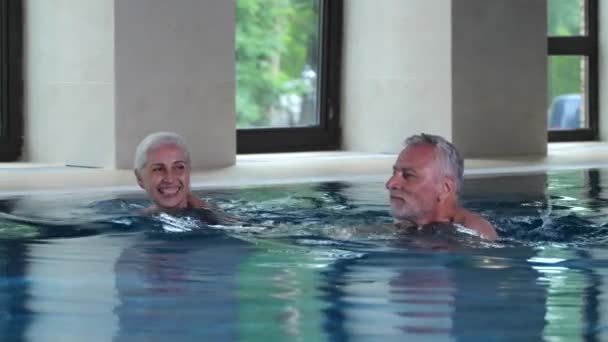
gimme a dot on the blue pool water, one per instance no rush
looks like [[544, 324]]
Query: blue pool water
[[315, 262]]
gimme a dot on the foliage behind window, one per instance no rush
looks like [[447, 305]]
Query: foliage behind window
[[276, 43]]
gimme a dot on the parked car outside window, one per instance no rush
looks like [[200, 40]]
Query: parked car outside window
[[565, 112]]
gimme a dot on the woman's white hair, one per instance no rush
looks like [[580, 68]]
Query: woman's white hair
[[446, 153], [155, 140]]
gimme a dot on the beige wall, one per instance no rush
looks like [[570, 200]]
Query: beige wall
[[175, 71], [396, 72], [499, 83], [470, 70], [102, 74], [69, 81]]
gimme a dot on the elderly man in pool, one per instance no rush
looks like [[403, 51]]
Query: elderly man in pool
[[162, 169], [424, 186]]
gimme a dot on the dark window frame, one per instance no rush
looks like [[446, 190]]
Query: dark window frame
[[325, 136], [586, 46], [11, 84]]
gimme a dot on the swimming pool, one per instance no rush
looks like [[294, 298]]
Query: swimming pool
[[315, 263]]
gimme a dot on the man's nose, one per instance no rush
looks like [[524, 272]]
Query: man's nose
[[392, 183]]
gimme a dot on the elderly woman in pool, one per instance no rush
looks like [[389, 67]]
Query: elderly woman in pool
[[424, 187], [162, 169]]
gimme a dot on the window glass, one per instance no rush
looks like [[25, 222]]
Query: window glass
[[566, 18], [567, 93], [277, 63]]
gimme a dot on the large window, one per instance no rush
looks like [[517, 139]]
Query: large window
[[287, 74], [11, 121], [572, 70]]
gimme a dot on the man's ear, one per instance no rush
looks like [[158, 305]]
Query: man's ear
[[139, 180], [448, 187]]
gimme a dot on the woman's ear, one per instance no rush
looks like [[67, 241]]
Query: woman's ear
[[139, 179]]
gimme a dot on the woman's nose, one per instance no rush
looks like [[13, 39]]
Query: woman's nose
[[168, 176]]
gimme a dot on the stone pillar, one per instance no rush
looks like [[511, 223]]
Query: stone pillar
[[499, 77], [101, 74], [175, 71], [396, 72], [69, 82], [473, 71]]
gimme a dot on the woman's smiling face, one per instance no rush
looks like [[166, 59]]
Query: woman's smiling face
[[166, 176]]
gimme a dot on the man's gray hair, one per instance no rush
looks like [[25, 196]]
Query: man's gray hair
[[155, 140], [446, 153]]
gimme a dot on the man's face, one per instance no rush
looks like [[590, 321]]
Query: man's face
[[166, 177], [414, 186]]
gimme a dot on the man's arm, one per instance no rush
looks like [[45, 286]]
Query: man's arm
[[477, 223]]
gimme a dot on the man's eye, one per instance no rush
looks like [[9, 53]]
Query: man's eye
[[156, 169], [181, 167]]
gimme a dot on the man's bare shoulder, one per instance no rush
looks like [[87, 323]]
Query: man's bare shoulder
[[477, 223]]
